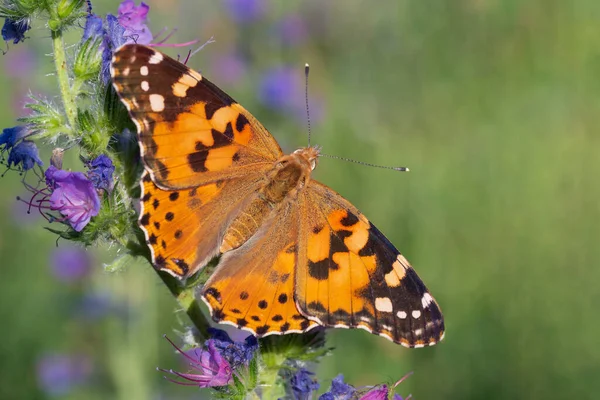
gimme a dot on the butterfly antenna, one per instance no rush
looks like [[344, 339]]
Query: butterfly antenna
[[401, 169], [306, 70]]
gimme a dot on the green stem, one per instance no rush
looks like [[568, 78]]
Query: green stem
[[60, 60]]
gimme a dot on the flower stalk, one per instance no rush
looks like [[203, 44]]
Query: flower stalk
[[62, 74]]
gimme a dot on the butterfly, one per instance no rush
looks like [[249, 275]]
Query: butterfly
[[294, 254]]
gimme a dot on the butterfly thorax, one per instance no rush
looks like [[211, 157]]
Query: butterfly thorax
[[281, 186]]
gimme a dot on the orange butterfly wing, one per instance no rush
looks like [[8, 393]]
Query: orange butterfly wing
[[203, 152], [350, 275], [253, 285]]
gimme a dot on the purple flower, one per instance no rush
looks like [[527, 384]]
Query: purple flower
[[114, 37], [10, 136], [15, 30], [73, 195], [58, 374], [245, 10], [133, 18], [377, 393], [70, 264], [93, 27], [381, 392], [213, 368], [339, 390], [101, 171], [236, 353], [303, 384], [24, 155]]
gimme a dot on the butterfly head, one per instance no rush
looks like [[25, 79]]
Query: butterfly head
[[309, 155]]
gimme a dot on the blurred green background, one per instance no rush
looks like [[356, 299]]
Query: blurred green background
[[494, 106]]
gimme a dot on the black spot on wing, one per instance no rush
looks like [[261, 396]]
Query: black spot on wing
[[319, 270], [261, 330], [159, 261], [228, 133], [304, 324], [197, 161], [349, 220], [184, 267], [341, 315], [145, 220], [241, 122], [337, 245], [218, 314], [211, 108], [316, 307], [214, 293]]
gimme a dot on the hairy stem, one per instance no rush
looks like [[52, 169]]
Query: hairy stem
[[60, 60]]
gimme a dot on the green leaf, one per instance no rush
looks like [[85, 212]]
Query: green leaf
[[88, 60]]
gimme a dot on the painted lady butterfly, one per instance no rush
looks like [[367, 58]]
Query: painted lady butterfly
[[294, 254]]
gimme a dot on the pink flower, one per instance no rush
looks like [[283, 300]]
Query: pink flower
[[133, 18], [213, 368]]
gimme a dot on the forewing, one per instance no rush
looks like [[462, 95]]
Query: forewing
[[350, 275], [190, 132]]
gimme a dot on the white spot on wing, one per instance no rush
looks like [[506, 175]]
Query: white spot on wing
[[383, 304], [426, 300], [157, 102], [145, 86], [155, 58], [402, 314], [416, 314], [144, 70]]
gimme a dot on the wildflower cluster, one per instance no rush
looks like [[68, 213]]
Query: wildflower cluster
[[87, 188]]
